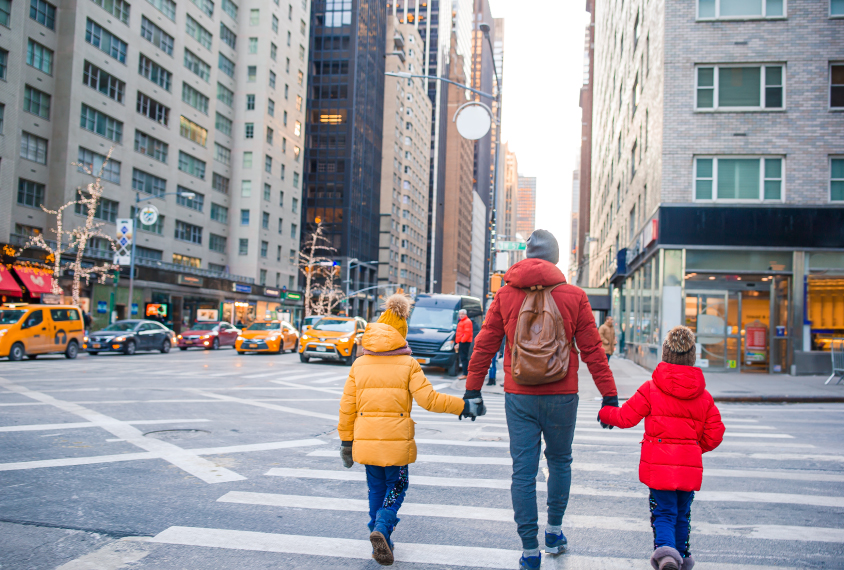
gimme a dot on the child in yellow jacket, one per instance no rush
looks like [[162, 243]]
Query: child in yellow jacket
[[375, 425]]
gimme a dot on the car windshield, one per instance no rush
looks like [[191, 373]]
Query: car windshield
[[121, 326], [204, 326], [10, 317], [264, 327], [433, 318], [335, 325]]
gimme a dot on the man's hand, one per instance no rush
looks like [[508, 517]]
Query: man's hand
[[456, 347], [608, 401], [346, 454], [473, 405]]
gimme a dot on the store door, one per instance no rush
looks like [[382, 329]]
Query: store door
[[706, 315]]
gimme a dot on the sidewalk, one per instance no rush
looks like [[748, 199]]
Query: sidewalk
[[724, 386]]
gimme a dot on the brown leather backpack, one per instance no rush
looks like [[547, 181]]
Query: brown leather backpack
[[541, 351]]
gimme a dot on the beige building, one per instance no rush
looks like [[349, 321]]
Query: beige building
[[405, 160], [507, 201], [526, 207]]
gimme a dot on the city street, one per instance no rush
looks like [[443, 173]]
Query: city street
[[213, 460]]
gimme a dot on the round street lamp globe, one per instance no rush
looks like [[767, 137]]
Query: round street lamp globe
[[473, 120]]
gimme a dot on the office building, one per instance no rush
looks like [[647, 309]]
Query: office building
[[344, 144], [717, 180], [575, 215], [507, 201], [580, 270], [405, 164], [203, 105], [526, 206]]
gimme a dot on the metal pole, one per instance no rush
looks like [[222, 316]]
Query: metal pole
[[494, 229], [132, 255]]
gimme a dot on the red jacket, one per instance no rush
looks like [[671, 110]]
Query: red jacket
[[681, 424], [578, 320], [464, 330]]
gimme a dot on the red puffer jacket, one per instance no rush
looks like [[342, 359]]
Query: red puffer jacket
[[681, 424], [464, 330]]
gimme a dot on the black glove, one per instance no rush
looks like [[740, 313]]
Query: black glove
[[346, 454], [473, 405], [608, 401]]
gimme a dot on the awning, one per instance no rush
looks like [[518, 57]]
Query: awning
[[37, 281], [8, 285]]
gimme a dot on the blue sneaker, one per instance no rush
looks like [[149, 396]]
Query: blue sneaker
[[555, 543], [530, 562]]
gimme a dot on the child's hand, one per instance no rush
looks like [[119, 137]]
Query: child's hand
[[608, 401], [346, 456]]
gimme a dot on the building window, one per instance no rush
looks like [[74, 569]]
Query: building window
[[2, 116], [219, 213], [198, 33], [186, 260], [191, 165], [226, 65], [836, 182], [217, 243], [152, 109], [6, 12], [836, 8], [220, 183], [267, 192], [244, 217], [292, 257], [230, 8], [726, 9], [269, 135], [268, 164], [245, 188], [156, 36], [283, 168], [117, 8], [4, 63], [106, 210], [43, 12], [253, 45], [836, 83], [148, 183], [225, 95], [149, 253], [272, 79], [295, 180], [739, 179], [107, 84], [296, 152], [151, 146], [166, 7], [38, 56], [206, 6], [281, 198], [247, 159], [100, 123], [36, 102], [254, 17], [252, 74], [194, 98], [222, 154], [271, 107], [337, 13], [229, 37], [243, 247], [195, 203], [265, 220], [197, 66], [249, 130], [294, 205], [740, 87], [293, 231], [223, 124], [105, 41], [90, 161], [192, 131], [264, 247], [30, 193], [250, 102], [273, 52], [275, 24], [280, 225], [188, 232]]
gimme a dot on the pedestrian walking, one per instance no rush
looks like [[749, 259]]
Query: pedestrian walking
[[541, 316], [463, 340], [681, 424], [375, 425], [607, 332]]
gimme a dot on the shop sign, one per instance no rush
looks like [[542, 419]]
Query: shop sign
[[102, 307], [780, 331], [291, 296], [51, 299], [756, 338], [134, 308], [191, 280], [271, 292], [240, 288], [157, 310], [651, 232]]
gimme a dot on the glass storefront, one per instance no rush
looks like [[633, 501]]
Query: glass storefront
[[240, 313]]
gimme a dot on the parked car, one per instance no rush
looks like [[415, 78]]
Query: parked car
[[208, 335], [29, 330], [431, 328], [267, 336], [332, 338], [129, 336]]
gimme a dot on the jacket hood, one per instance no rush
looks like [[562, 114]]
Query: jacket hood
[[379, 337], [534, 271], [683, 382]]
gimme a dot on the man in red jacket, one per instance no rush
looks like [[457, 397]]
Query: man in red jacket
[[548, 410], [463, 340]]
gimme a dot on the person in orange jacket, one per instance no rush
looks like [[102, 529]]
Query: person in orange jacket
[[463, 340]]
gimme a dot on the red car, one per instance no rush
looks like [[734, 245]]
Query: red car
[[208, 335]]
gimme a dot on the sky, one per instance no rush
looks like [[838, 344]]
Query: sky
[[543, 74]]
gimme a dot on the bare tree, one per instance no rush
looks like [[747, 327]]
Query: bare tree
[[54, 253], [317, 267]]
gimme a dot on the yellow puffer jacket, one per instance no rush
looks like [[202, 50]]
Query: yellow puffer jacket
[[376, 403]]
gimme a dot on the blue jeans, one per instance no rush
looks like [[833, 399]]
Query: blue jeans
[[528, 418], [387, 487], [671, 516]]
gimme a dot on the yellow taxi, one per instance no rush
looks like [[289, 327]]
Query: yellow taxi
[[30, 330], [332, 338], [267, 336]]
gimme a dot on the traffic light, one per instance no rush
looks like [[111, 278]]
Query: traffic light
[[496, 282]]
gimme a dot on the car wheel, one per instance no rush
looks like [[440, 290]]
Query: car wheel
[[349, 360], [16, 353], [129, 349], [303, 358], [165, 346], [215, 344], [72, 350], [454, 368], [183, 348]]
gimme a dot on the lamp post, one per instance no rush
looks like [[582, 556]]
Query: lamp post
[[138, 200]]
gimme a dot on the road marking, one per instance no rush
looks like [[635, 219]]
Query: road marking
[[331, 379], [464, 443], [258, 404], [441, 386], [785, 475], [181, 458], [96, 459], [640, 433], [767, 532], [113, 556], [781, 498], [457, 459], [776, 456], [306, 387], [261, 375], [75, 425]]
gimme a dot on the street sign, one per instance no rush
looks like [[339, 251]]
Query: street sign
[[149, 215], [502, 261], [510, 246], [125, 227], [473, 120]]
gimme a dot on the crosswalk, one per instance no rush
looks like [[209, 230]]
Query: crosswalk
[[461, 478]]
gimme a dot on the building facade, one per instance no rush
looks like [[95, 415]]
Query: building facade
[[202, 107], [575, 216], [405, 164], [717, 198], [526, 207], [507, 204], [580, 271]]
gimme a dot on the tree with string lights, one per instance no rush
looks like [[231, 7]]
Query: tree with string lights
[[316, 266]]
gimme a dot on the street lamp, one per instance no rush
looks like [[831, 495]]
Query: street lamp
[[138, 200], [352, 262]]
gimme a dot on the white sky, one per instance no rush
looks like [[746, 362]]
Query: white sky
[[543, 73]]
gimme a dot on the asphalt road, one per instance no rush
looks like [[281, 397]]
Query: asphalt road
[[212, 460]]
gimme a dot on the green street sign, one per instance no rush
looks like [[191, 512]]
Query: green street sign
[[510, 245]]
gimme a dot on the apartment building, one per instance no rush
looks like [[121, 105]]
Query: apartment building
[[203, 106], [405, 163], [717, 179]]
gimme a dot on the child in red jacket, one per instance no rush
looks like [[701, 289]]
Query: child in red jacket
[[681, 424]]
